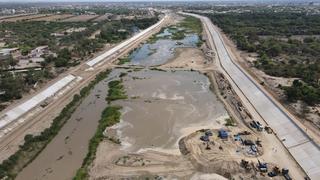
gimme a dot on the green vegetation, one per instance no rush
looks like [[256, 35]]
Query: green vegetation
[[123, 74], [178, 35], [119, 30], [116, 91], [188, 25], [11, 85], [28, 35], [192, 24], [154, 38], [230, 122], [98, 10], [285, 44], [157, 69], [302, 91], [124, 60], [33, 145], [110, 116], [65, 50]]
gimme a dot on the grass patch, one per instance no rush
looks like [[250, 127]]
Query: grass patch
[[178, 35], [116, 91], [123, 74], [193, 24], [157, 69], [153, 39], [124, 60], [200, 42], [230, 122], [110, 116], [33, 145]]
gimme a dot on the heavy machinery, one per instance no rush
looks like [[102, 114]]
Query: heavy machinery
[[285, 173], [262, 167]]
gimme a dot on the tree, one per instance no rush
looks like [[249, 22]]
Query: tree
[[274, 50]]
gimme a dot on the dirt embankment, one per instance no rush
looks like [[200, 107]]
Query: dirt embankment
[[188, 58], [220, 158]]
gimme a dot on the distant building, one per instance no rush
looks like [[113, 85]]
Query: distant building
[[39, 51], [57, 34], [6, 52]]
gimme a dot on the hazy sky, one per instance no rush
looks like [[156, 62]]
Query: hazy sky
[[143, 0], [261, 1]]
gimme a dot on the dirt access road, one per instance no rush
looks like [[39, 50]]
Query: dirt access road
[[120, 162], [262, 105]]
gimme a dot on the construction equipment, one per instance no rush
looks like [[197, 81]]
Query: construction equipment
[[223, 134], [285, 173], [268, 129], [256, 125], [253, 148], [244, 133], [258, 142], [274, 172], [204, 138], [208, 133], [262, 167], [245, 164], [247, 142], [208, 147]]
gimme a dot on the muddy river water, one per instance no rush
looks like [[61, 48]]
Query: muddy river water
[[162, 107], [166, 106]]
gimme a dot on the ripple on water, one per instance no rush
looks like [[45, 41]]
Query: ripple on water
[[163, 115]]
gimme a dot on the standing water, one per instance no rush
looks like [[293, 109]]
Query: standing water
[[162, 107], [165, 107]]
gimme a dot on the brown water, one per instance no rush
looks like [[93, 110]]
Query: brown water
[[65, 153], [163, 107], [166, 106]]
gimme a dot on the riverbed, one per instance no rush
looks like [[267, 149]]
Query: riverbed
[[64, 154], [162, 106], [166, 106], [160, 51]]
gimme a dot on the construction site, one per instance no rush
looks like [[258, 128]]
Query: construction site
[[233, 146], [181, 116]]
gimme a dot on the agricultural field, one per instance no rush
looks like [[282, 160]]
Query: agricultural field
[[102, 18], [56, 17], [80, 18], [24, 18]]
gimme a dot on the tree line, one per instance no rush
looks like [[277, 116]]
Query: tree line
[[287, 45]]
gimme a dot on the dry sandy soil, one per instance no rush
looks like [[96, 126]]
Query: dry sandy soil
[[190, 58], [56, 17], [195, 162], [114, 163], [20, 18], [93, 35], [80, 18], [309, 115], [102, 18]]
